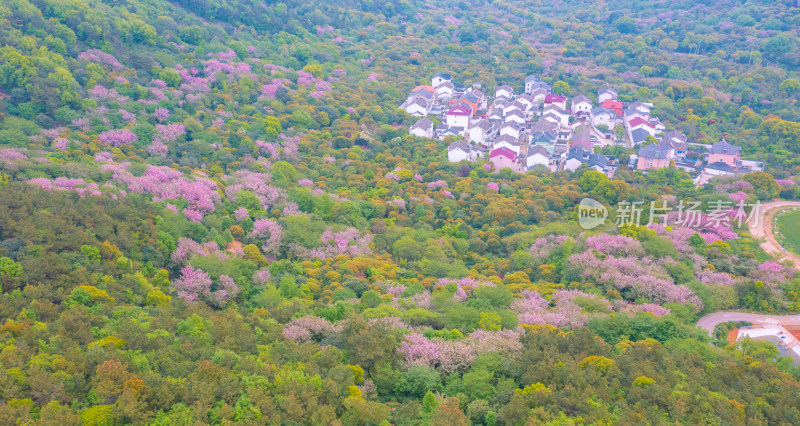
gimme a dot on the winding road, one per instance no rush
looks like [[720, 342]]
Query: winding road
[[710, 321], [771, 328], [763, 230]]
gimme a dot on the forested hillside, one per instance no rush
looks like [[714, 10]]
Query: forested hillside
[[212, 212]]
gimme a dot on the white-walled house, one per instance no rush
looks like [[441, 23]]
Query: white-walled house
[[510, 129], [416, 106], [571, 164], [509, 107], [444, 90], [630, 114], [606, 93], [422, 128], [553, 118], [459, 151], [525, 99], [479, 131], [641, 123], [515, 116], [604, 116], [504, 92], [458, 116], [507, 141], [538, 95], [643, 107], [537, 155], [441, 78], [533, 83], [556, 115], [581, 103]]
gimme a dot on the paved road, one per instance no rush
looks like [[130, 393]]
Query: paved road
[[710, 321], [601, 137], [763, 230]]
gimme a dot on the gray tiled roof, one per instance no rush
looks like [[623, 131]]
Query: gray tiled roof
[[723, 147], [459, 144], [580, 98], [608, 89], [639, 135], [507, 138], [538, 149], [721, 166], [654, 151], [423, 124]]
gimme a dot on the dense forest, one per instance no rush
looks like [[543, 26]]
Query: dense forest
[[211, 212]]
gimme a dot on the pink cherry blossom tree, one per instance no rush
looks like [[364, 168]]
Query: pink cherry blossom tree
[[241, 214], [118, 137], [269, 232], [192, 284], [195, 284], [615, 245], [309, 327]]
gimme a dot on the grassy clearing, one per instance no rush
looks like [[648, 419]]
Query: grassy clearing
[[788, 230]]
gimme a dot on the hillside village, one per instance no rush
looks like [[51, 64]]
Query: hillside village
[[541, 129]]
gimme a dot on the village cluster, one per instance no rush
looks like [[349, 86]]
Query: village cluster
[[541, 129]]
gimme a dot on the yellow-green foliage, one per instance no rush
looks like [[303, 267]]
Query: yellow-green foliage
[[643, 381], [489, 321], [381, 311], [160, 279], [99, 415], [108, 341], [623, 345], [95, 294], [354, 392], [20, 403], [48, 362], [600, 363], [109, 250], [534, 388], [158, 298], [294, 374], [358, 373]]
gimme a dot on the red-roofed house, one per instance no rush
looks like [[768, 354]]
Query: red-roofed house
[[423, 87], [458, 116], [553, 99], [639, 122], [503, 158], [463, 100], [612, 104]]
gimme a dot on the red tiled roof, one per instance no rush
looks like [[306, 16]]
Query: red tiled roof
[[428, 88], [615, 105], [638, 121], [459, 110], [553, 98], [503, 151]]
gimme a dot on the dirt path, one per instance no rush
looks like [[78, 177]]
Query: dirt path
[[763, 230], [233, 246]]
